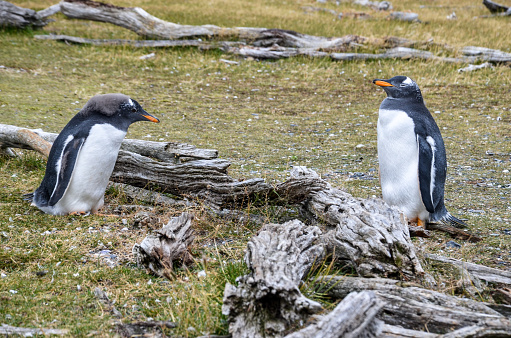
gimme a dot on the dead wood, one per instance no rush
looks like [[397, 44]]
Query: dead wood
[[455, 232], [488, 328], [354, 317], [267, 301], [12, 136], [486, 54], [162, 248], [485, 273], [204, 179], [367, 234], [392, 331], [19, 17], [8, 330], [502, 295], [413, 307], [416, 231], [147, 196]]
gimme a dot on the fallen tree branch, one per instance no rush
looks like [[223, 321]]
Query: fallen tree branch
[[19, 17], [12, 136], [267, 301], [8, 330], [480, 271], [455, 232], [161, 249], [354, 317], [413, 307]]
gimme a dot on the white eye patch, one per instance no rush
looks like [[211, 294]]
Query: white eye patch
[[131, 102], [408, 81]]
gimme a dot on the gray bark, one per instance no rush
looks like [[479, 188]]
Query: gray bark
[[367, 234], [8, 330], [204, 179], [165, 151], [267, 301], [354, 317], [14, 16], [480, 271], [162, 248], [413, 307]]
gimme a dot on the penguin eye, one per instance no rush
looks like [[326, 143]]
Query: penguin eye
[[134, 110], [403, 85]]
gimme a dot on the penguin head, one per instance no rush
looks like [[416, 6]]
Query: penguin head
[[400, 87], [117, 109]]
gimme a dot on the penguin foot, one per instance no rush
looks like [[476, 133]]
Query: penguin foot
[[449, 219], [421, 223], [79, 213]]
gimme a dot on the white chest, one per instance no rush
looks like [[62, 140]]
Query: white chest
[[92, 170], [398, 158]]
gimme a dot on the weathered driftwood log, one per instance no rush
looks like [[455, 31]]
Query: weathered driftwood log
[[15, 137], [8, 330], [368, 234], [413, 307], [354, 317], [147, 196], [480, 271], [204, 179], [267, 301], [486, 54], [488, 328], [162, 248], [143, 23], [19, 17]]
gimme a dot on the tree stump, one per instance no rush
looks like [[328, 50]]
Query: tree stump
[[161, 249], [267, 301]]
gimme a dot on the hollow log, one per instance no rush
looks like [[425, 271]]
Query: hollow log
[[354, 317], [161, 249], [19, 17], [413, 307], [485, 273], [267, 301]]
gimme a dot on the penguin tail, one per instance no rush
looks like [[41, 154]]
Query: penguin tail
[[449, 219], [28, 197]]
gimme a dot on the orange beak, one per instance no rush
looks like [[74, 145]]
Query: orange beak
[[382, 83], [151, 118]]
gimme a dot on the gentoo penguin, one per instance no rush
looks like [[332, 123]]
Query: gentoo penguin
[[411, 154], [83, 156]]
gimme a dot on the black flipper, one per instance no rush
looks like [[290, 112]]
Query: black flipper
[[425, 160], [67, 164]]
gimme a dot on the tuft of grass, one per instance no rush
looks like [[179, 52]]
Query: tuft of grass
[[263, 117]]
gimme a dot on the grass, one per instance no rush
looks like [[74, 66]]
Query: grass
[[262, 116]]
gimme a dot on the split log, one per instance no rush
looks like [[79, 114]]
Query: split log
[[485, 273], [369, 235], [8, 330], [267, 301], [19, 17], [161, 249], [354, 317], [413, 307]]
